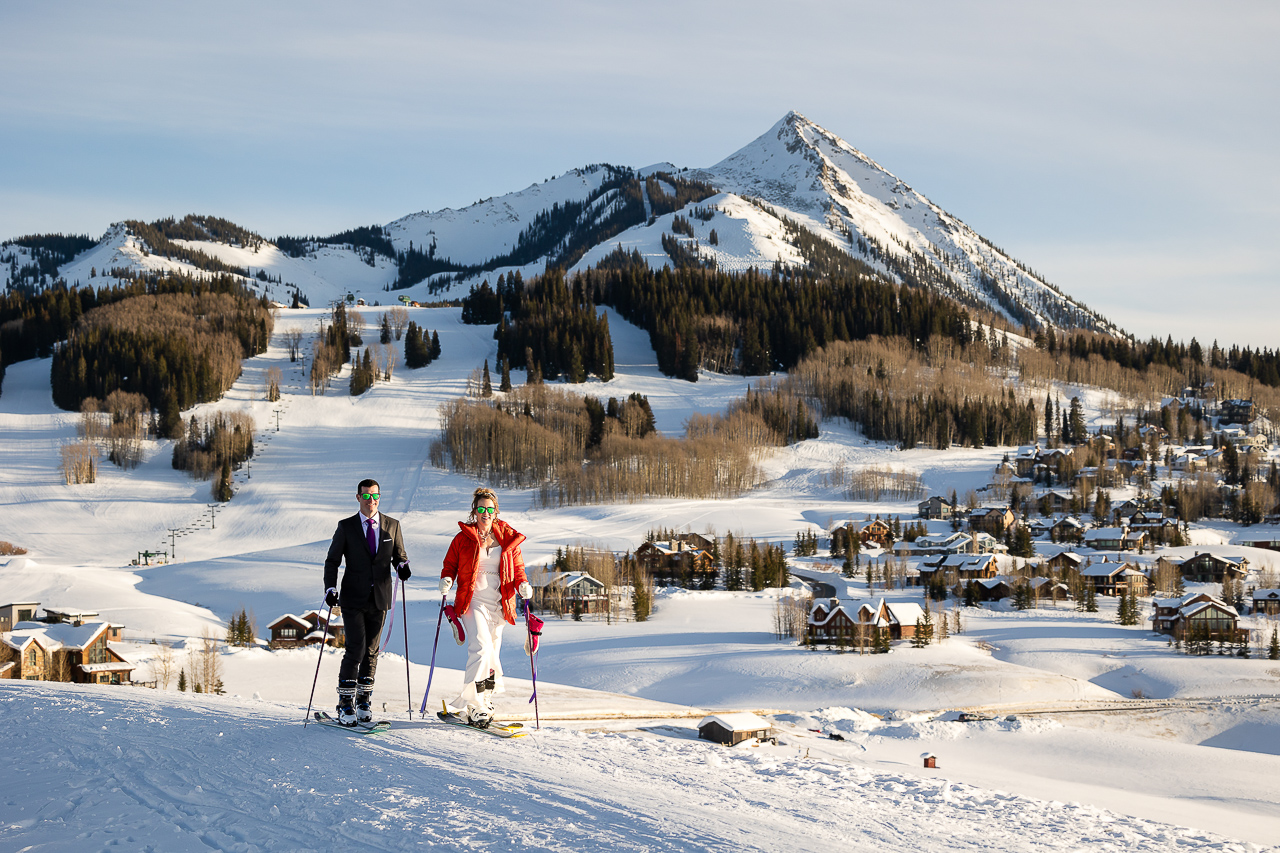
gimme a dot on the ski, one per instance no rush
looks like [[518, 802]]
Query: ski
[[502, 730], [375, 728]]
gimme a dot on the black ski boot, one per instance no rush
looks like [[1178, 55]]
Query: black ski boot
[[364, 701], [346, 702]]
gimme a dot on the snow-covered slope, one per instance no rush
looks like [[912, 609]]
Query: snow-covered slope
[[138, 770], [130, 767]]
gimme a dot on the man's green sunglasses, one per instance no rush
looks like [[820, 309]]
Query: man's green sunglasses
[[370, 496]]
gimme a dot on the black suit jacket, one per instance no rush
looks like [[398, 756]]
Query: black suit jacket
[[366, 583]]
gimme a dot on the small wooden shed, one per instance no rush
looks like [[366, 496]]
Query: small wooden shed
[[731, 729]]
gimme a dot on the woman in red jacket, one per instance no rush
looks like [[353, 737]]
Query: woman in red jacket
[[485, 565]]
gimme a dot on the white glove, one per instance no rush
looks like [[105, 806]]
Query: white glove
[[524, 590], [446, 584]]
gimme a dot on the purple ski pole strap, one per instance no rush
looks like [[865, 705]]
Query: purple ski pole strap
[[391, 623], [432, 671], [533, 672]]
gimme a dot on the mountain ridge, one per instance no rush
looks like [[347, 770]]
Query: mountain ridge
[[797, 175]]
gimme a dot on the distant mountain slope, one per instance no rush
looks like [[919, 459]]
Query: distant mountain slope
[[848, 198], [796, 171], [778, 200]]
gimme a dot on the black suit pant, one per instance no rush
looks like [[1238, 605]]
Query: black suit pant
[[364, 637]]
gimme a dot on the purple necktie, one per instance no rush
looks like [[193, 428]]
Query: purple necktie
[[372, 537]]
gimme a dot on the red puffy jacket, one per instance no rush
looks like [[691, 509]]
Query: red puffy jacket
[[464, 554]]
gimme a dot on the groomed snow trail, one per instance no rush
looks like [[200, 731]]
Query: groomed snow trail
[[134, 769]]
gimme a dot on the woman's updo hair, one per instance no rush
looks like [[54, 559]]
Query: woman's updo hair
[[479, 495]]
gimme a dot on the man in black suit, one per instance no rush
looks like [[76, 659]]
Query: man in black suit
[[371, 545]]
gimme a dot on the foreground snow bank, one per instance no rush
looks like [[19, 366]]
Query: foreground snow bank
[[144, 770]]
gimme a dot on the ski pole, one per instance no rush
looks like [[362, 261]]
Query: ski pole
[[422, 712], [533, 670], [391, 622], [324, 639], [404, 620]]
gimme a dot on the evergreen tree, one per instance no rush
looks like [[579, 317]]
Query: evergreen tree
[[222, 491], [1090, 599], [1273, 650], [486, 389], [506, 375], [182, 679], [435, 345], [1075, 426], [385, 335], [640, 597]]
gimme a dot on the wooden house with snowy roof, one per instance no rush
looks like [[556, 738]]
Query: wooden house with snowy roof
[[20, 611], [1266, 602], [568, 592], [79, 654], [732, 729], [289, 630], [1113, 579], [936, 507], [993, 520], [830, 621], [958, 569], [1197, 616], [674, 557], [1207, 567]]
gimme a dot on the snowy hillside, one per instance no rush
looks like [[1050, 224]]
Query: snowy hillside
[[617, 764]]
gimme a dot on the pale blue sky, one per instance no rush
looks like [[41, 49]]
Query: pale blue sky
[[1124, 150]]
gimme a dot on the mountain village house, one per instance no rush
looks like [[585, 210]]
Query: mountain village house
[[870, 532], [936, 507], [1115, 539], [289, 631], [1266, 602], [959, 569], [62, 652], [1114, 579], [1197, 616], [1065, 563], [66, 645], [993, 520], [951, 543], [1257, 538], [568, 592], [830, 621], [731, 729], [1210, 568], [675, 557]]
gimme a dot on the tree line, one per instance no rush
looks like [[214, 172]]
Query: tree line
[[760, 322], [47, 252], [176, 349], [577, 452], [554, 328]]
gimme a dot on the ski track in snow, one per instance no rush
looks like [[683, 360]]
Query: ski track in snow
[[136, 770]]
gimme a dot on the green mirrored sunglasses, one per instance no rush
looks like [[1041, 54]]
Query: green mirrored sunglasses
[[370, 496], [486, 510]]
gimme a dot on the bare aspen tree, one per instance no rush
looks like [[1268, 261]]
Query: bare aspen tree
[[163, 665], [209, 662], [398, 317], [79, 463], [293, 341], [274, 378]]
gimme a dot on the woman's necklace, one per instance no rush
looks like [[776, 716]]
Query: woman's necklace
[[486, 539]]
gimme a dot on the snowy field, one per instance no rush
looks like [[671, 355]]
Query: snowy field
[[616, 764]]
